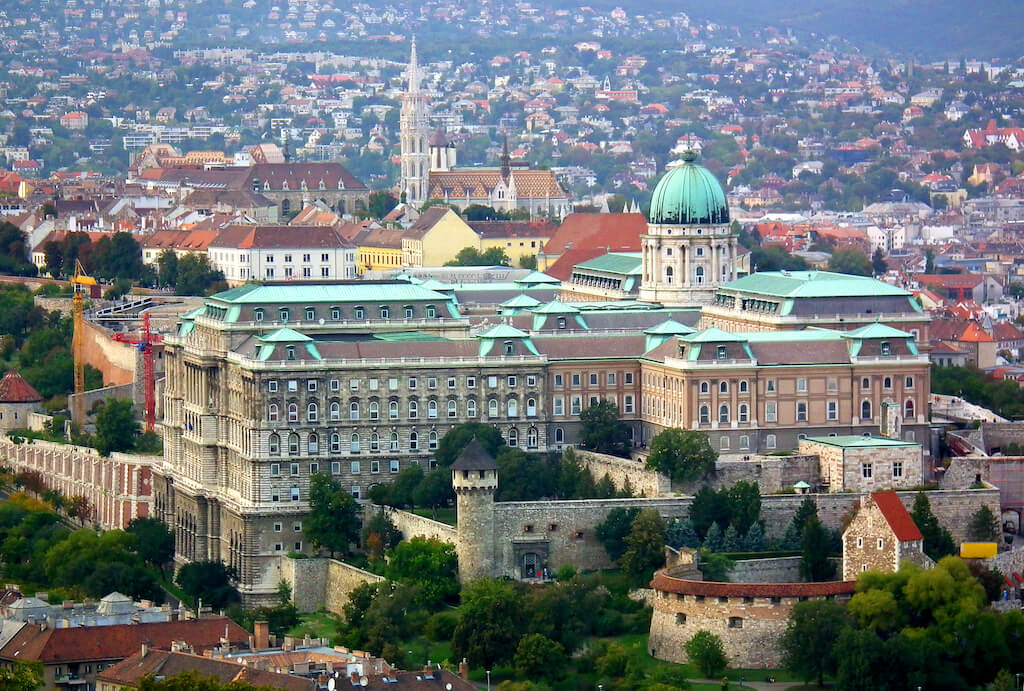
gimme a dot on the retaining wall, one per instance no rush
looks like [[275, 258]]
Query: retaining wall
[[645, 483], [412, 526], [770, 473], [322, 583]]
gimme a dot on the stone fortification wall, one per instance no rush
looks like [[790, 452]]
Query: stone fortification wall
[[645, 483], [411, 525], [62, 305], [994, 435], [126, 391], [1004, 472], [771, 473], [119, 487], [322, 583]]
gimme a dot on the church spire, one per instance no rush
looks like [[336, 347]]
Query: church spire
[[413, 72], [506, 160]]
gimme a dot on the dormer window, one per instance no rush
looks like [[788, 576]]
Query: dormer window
[[561, 323], [886, 348], [722, 353], [359, 313], [322, 185], [290, 352], [310, 314], [509, 348], [283, 316], [257, 314], [284, 185]]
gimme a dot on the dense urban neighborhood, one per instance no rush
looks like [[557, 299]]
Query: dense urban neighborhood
[[524, 346]]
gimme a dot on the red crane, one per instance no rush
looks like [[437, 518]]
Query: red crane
[[145, 345]]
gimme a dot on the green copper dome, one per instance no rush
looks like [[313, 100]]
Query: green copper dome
[[689, 195]]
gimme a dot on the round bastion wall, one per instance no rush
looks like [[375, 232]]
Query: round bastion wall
[[750, 618]]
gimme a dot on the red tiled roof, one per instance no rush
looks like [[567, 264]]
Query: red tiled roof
[[975, 334], [513, 229], [14, 389], [609, 232], [52, 646], [669, 584], [132, 670], [896, 516], [562, 268]]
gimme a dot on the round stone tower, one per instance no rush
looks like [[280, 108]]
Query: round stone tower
[[475, 480]]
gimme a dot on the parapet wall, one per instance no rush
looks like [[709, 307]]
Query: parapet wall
[[412, 526], [770, 473], [322, 583], [645, 483]]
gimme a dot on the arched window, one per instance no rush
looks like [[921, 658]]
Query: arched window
[[531, 438], [723, 414], [275, 445], [293, 412], [353, 443], [559, 435], [887, 383], [335, 443], [699, 275], [394, 441], [471, 408], [313, 444], [374, 410], [531, 407], [272, 412], [513, 437], [414, 441], [359, 312], [705, 387], [335, 410], [431, 409], [393, 410], [723, 386], [293, 444], [453, 408], [374, 442], [289, 352], [865, 383], [513, 407], [353, 410], [908, 409], [432, 441], [744, 413], [668, 274], [743, 386], [492, 407], [865, 410], [311, 412], [414, 409], [705, 415]]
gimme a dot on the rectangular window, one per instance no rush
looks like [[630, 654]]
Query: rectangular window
[[492, 382], [627, 402], [833, 384], [374, 384], [511, 382], [470, 382], [865, 470], [354, 467], [314, 468], [275, 469], [576, 379], [558, 405], [293, 384], [394, 466], [771, 412], [628, 378], [412, 382], [295, 493], [392, 383], [295, 468], [451, 382], [801, 385], [431, 382], [272, 386], [353, 384], [801, 411], [335, 385], [336, 468], [612, 379], [769, 386], [897, 469], [833, 410], [277, 527], [559, 380], [374, 466], [592, 379], [577, 405], [311, 385]]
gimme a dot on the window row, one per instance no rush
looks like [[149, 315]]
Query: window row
[[373, 409], [354, 468], [576, 404], [593, 379], [392, 383], [353, 443], [360, 312], [771, 412]]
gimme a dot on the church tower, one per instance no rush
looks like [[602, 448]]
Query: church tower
[[689, 248], [415, 131]]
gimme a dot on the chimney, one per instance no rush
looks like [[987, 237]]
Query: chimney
[[144, 650], [261, 633], [464, 669], [289, 643], [428, 671], [354, 678]]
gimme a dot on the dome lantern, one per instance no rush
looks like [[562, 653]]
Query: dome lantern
[[689, 194]]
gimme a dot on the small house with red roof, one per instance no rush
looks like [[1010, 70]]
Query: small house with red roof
[[18, 399], [881, 536]]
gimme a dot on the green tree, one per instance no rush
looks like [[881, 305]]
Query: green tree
[[381, 203], [815, 564], [528, 261], [645, 544], [379, 535], [456, 439], [21, 676], [706, 652], [984, 525], [929, 261], [850, 261], [539, 657], [333, 522], [682, 454], [471, 256], [491, 622], [878, 265], [681, 534], [193, 681], [613, 530], [155, 541], [709, 508], [716, 567], [937, 540], [429, 564], [714, 540], [808, 646], [196, 276], [116, 426], [603, 431], [435, 490], [793, 536], [209, 581], [167, 268], [744, 500]]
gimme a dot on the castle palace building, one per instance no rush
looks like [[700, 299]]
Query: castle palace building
[[689, 248], [429, 171], [270, 384]]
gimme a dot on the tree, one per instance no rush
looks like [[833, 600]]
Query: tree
[[984, 525], [929, 261], [537, 656], [471, 256], [116, 426], [209, 581], [645, 544], [435, 490], [705, 650], [878, 265], [808, 646], [192, 681], [195, 275], [815, 564], [155, 541], [603, 431], [612, 531], [379, 535], [491, 621], [21, 676], [333, 521], [429, 564], [167, 268], [850, 261], [937, 540], [744, 501], [681, 534], [456, 439], [381, 203], [793, 536], [682, 454], [716, 567], [714, 540]]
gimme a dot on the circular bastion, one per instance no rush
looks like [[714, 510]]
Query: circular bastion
[[750, 618]]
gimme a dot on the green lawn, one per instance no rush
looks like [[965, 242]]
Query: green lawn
[[420, 649], [446, 515], [316, 625]]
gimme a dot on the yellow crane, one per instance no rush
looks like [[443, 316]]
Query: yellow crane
[[82, 284]]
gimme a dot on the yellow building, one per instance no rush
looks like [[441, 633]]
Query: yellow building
[[436, 237], [378, 248], [517, 238]]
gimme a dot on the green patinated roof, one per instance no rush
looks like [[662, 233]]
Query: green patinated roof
[[625, 263], [254, 293], [689, 195], [538, 277], [521, 300], [670, 327], [406, 337], [285, 335], [555, 307], [503, 331], [878, 330], [198, 311], [858, 442], [434, 284], [714, 335], [812, 284]]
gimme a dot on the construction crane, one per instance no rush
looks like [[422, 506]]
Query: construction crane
[[82, 283], [145, 346]]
